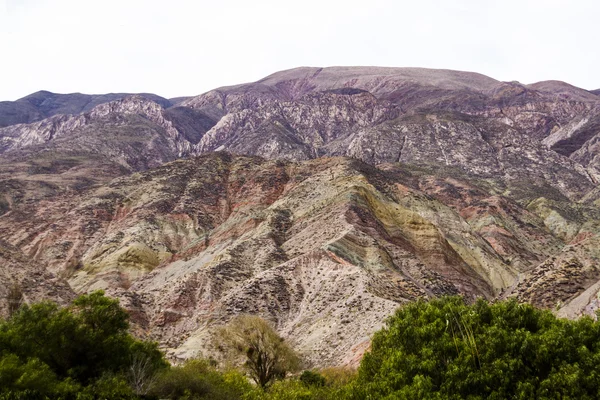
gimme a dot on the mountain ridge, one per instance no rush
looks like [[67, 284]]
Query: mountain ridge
[[43, 104]]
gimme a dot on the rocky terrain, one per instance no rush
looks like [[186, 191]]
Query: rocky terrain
[[318, 198], [44, 104], [25, 281]]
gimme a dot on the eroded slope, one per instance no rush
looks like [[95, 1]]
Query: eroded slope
[[326, 249]]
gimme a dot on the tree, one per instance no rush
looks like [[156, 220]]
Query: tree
[[267, 356], [447, 349], [85, 344], [15, 298], [145, 360]]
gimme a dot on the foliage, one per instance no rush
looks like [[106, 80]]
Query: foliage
[[84, 348], [312, 378], [296, 389], [267, 356], [442, 349], [112, 387], [446, 349], [31, 375], [197, 379], [338, 376]]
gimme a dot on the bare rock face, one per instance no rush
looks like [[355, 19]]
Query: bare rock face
[[23, 281], [122, 116], [325, 248], [373, 187], [381, 115]]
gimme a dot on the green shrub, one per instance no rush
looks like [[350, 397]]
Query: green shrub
[[339, 376], [311, 378], [112, 387], [446, 349], [267, 356], [197, 379], [68, 352]]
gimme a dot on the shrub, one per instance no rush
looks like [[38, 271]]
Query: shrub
[[197, 379], [311, 378], [446, 349]]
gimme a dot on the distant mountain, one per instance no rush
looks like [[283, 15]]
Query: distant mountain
[[113, 139], [319, 198], [43, 104], [406, 115]]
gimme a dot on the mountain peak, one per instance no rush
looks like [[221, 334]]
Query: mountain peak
[[563, 89], [368, 76]]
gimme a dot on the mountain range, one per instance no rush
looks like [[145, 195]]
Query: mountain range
[[317, 198]]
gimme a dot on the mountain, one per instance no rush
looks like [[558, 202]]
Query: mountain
[[324, 248], [44, 104], [319, 198], [382, 115], [374, 114], [73, 152]]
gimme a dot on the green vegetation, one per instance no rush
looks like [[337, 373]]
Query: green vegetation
[[442, 349], [312, 378], [446, 349], [198, 379], [267, 356], [54, 352]]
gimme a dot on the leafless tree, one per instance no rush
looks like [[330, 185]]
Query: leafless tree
[[15, 298], [141, 374]]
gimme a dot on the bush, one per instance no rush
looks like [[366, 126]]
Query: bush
[[267, 356], [339, 376], [311, 378], [112, 387], [67, 352], [446, 349], [197, 379]]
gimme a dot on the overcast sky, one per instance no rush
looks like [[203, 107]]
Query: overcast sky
[[185, 47]]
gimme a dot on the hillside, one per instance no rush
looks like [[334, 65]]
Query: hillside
[[319, 198], [44, 104]]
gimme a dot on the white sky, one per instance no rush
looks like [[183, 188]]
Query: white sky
[[185, 47]]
